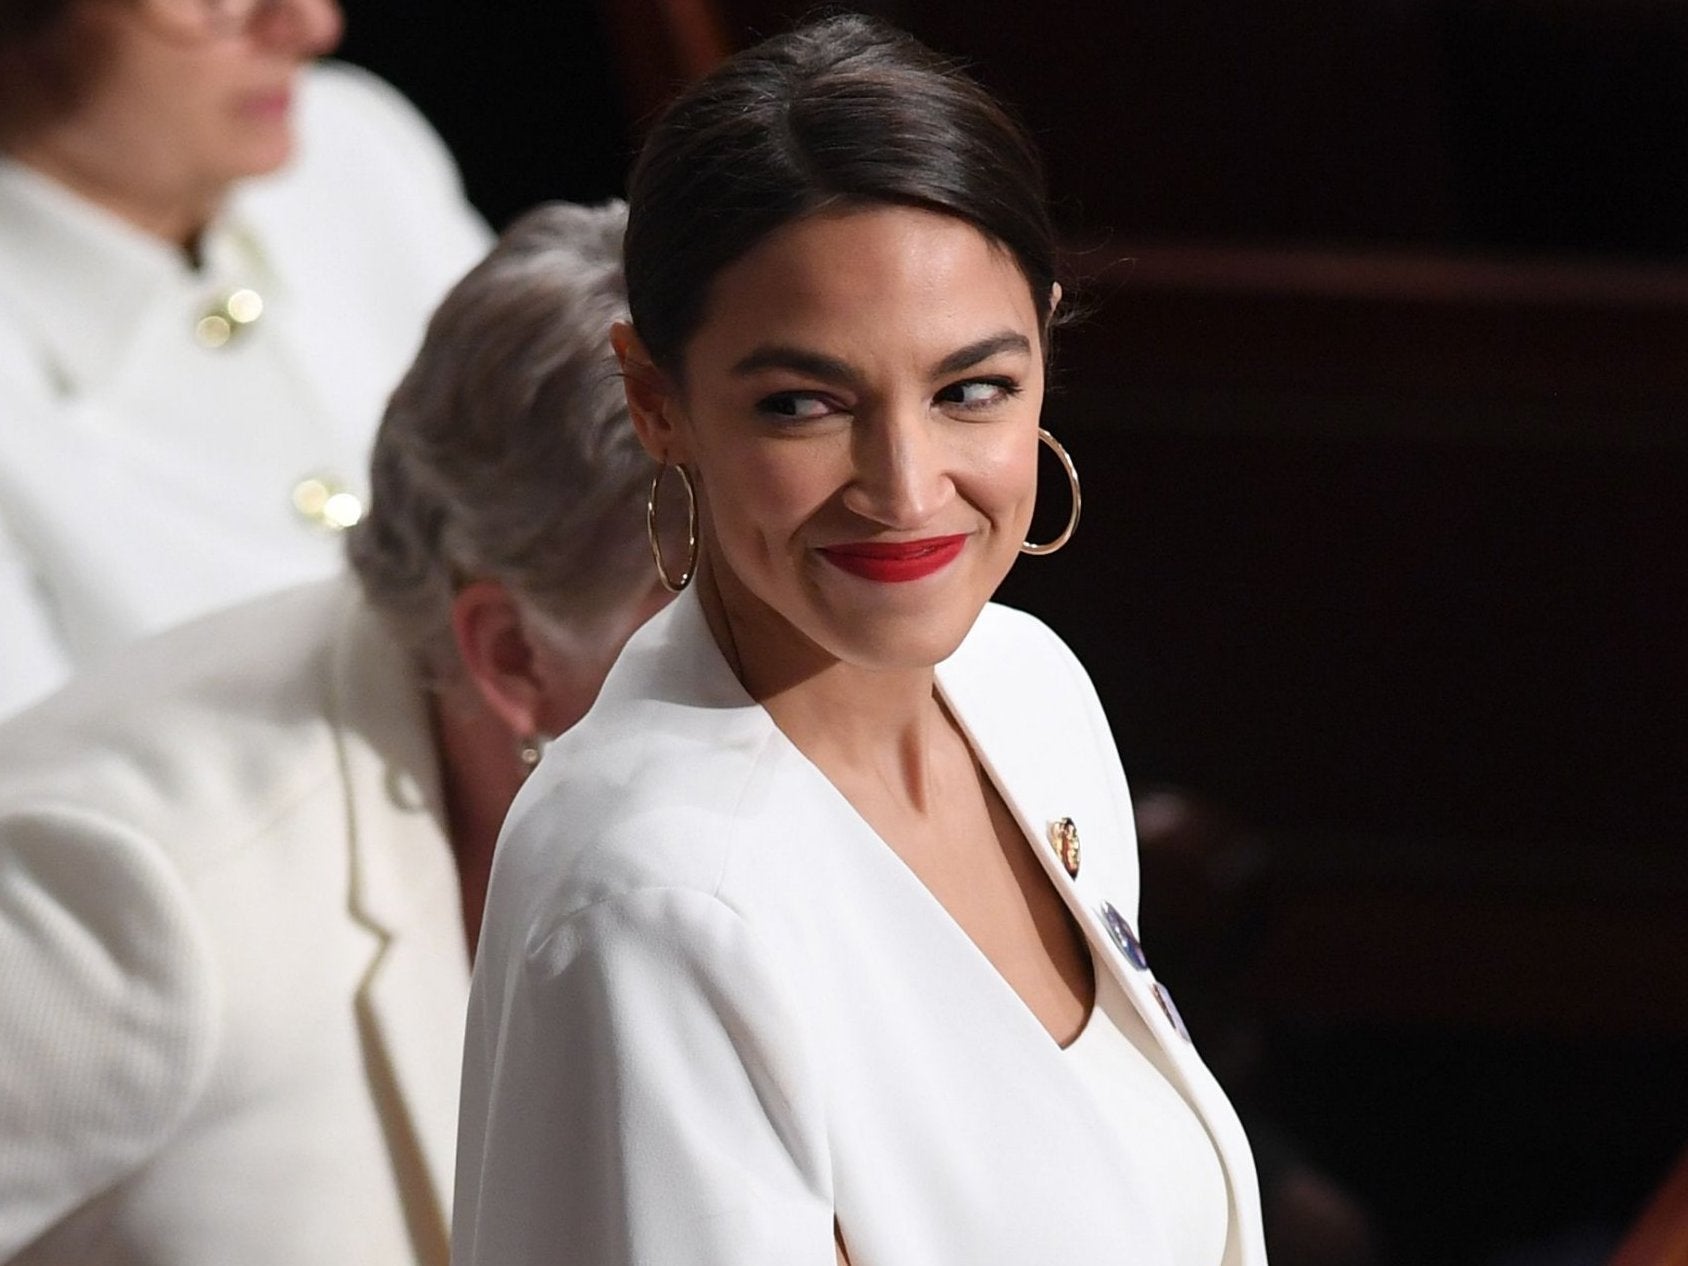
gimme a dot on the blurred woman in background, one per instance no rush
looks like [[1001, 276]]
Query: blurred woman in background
[[215, 262], [241, 867]]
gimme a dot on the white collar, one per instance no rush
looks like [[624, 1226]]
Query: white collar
[[84, 281]]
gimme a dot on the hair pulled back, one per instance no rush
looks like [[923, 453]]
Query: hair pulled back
[[506, 451], [843, 110]]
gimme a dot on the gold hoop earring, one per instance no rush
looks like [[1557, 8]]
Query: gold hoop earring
[[1078, 498], [668, 583]]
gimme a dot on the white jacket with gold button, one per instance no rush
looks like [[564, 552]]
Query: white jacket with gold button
[[145, 476], [712, 1012]]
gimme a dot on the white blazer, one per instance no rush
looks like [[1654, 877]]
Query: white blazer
[[712, 1010], [234, 967], [146, 478]]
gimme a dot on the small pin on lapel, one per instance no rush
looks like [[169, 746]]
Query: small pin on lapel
[[1119, 927], [1063, 838], [1164, 996]]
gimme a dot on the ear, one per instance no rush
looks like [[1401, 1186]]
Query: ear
[[1054, 298], [499, 657], [651, 397]]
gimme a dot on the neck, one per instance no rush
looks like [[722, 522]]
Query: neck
[[176, 217], [883, 727], [480, 776]]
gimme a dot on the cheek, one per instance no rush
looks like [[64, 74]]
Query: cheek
[[207, 102], [1002, 478], [166, 109], [761, 494]]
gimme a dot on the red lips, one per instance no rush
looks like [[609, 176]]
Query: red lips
[[268, 105], [893, 562]]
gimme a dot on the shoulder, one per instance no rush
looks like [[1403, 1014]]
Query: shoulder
[[335, 96], [638, 805], [192, 737], [371, 201], [360, 139], [667, 782]]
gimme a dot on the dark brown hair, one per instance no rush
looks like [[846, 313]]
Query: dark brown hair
[[843, 110], [22, 20], [48, 55]]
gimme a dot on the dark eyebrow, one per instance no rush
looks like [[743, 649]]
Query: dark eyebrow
[[969, 356], [831, 369], [814, 364]]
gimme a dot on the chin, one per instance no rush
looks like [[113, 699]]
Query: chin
[[903, 644], [898, 627], [268, 149]]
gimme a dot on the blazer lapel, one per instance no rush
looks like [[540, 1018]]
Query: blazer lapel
[[1046, 775], [404, 888]]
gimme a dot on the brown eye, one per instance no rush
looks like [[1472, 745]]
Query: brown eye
[[795, 406], [978, 393]]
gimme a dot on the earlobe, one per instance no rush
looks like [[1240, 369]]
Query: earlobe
[[650, 394], [497, 657]]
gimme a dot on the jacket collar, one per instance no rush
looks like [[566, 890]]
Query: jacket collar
[[1024, 748], [1025, 744], [87, 283], [404, 888]]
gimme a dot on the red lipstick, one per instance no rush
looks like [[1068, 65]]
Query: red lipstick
[[269, 105], [892, 562]]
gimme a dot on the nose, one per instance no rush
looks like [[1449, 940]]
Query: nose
[[306, 28], [901, 475]]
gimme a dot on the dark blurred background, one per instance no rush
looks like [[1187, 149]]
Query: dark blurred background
[[1381, 402]]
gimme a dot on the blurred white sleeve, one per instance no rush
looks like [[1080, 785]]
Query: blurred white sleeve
[[107, 1014]]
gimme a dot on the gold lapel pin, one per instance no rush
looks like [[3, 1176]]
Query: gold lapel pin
[[1063, 838]]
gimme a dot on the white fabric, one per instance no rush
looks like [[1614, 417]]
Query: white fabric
[[712, 1011], [1172, 1157], [234, 961], [145, 478]]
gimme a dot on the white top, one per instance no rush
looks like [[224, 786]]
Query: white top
[[1172, 1157], [146, 477], [713, 1012]]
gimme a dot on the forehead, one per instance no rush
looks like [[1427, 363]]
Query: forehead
[[849, 279]]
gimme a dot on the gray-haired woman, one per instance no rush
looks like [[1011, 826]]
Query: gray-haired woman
[[241, 867]]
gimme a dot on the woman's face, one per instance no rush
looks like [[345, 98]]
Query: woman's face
[[178, 108], [860, 408]]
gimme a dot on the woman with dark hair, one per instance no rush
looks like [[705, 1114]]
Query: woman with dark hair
[[216, 259], [816, 938]]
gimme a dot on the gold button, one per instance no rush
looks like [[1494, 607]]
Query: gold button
[[325, 502], [244, 306], [1063, 838], [226, 318], [213, 330]]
